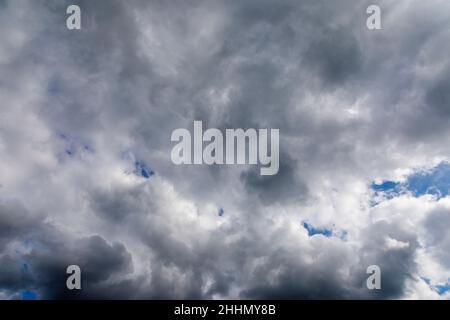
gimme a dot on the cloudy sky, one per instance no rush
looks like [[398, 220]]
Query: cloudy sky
[[86, 176]]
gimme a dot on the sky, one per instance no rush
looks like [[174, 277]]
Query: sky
[[86, 176]]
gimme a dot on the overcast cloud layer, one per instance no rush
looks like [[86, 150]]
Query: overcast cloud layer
[[86, 177]]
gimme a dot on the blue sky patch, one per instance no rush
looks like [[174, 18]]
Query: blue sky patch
[[385, 186], [435, 181], [442, 289], [314, 230], [142, 170], [29, 295]]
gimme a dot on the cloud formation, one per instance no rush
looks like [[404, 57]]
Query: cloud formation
[[86, 177]]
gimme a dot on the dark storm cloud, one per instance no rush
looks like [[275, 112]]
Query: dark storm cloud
[[12, 276], [47, 253], [97, 259]]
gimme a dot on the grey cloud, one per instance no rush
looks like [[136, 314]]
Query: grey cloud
[[14, 220], [276, 188], [397, 265], [437, 96], [337, 55], [294, 279]]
